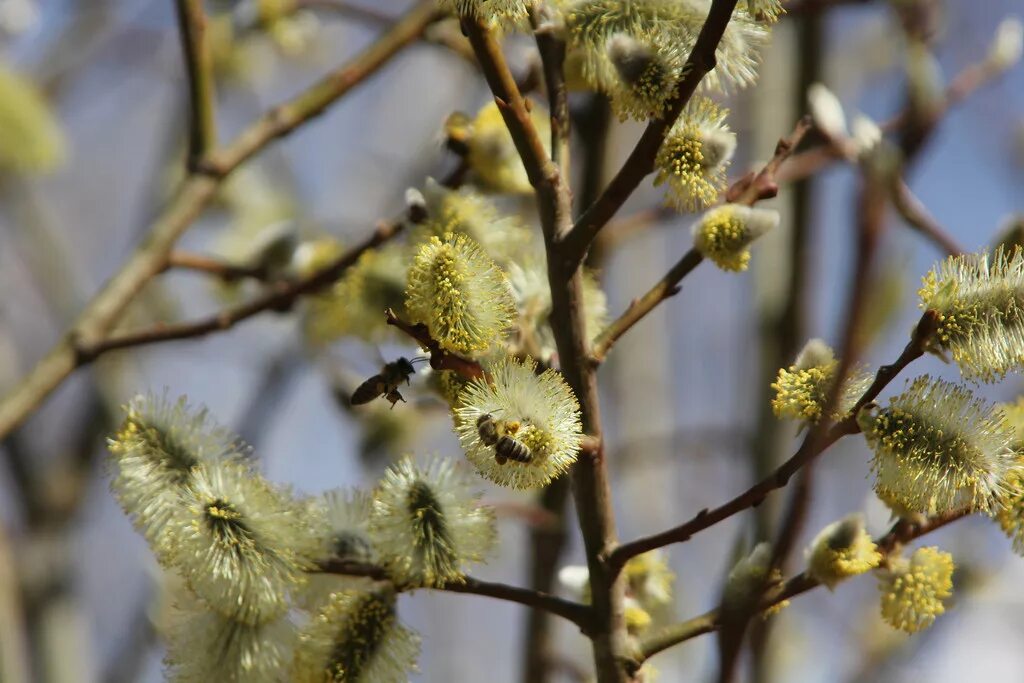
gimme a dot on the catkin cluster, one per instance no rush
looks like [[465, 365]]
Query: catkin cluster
[[252, 606]]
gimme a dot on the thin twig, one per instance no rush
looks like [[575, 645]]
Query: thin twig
[[809, 449], [515, 110], [916, 215], [440, 359], [591, 488], [200, 263], [575, 612], [280, 296], [667, 286], [348, 10], [962, 86], [747, 190], [640, 162], [199, 68], [900, 534], [105, 309]]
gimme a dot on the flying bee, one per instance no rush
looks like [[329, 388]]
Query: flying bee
[[386, 383]]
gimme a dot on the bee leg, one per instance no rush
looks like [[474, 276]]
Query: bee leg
[[500, 459], [394, 396]]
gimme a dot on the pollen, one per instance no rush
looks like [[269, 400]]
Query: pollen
[[841, 550], [978, 301], [914, 591], [460, 294], [695, 155], [544, 406], [938, 449], [724, 233]]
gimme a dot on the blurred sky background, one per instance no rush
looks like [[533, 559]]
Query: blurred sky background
[[677, 392]]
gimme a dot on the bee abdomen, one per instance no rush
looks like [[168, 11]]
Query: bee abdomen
[[368, 390], [508, 448]]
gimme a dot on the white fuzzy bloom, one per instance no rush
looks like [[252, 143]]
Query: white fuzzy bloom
[[345, 537], [575, 578], [242, 544], [866, 134], [826, 111], [356, 638], [814, 354], [1007, 44], [155, 452], [539, 411], [205, 646], [427, 524], [18, 16]]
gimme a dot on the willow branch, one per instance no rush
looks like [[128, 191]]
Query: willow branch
[[280, 296], [964, 84], [199, 69], [440, 359], [150, 258], [747, 190], [900, 534], [916, 215], [214, 267], [666, 287], [574, 612], [542, 172], [640, 162], [812, 446]]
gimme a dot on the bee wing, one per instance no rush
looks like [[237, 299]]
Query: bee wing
[[369, 390]]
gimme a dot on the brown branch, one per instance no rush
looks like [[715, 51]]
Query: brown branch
[[280, 296], [552, 59], [962, 86], [591, 488], [747, 190], [575, 612], [350, 10], [544, 175], [440, 359], [900, 534], [105, 309], [916, 215], [640, 162], [199, 69], [666, 287], [811, 448], [200, 263], [764, 185]]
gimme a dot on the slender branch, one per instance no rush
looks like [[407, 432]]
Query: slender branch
[[666, 287], [552, 57], [900, 534], [916, 215], [544, 175], [199, 69], [349, 10], [811, 448], [440, 359], [747, 190], [764, 185], [962, 86], [200, 263], [150, 258], [591, 487], [575, 612], [280, 296], [640, 162]]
